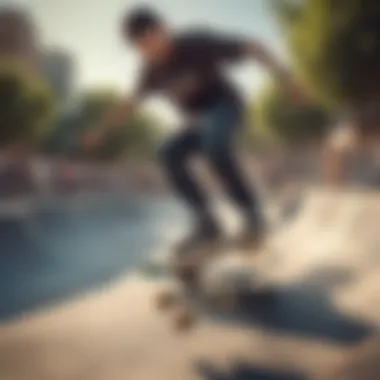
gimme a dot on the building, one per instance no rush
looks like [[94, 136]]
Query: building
[[57, 67], [18, 37], [19, 41]]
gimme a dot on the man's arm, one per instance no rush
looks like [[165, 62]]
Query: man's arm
[[117, 115], [280, 72], [234, 49], [112, 120], [145, 85], [262, 55]]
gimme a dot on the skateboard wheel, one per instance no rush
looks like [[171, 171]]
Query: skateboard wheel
[[253, 248], [187, 273], [184, 320], [223, 301], [166, 300]]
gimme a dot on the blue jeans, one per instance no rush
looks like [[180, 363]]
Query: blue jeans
[[213, 139]]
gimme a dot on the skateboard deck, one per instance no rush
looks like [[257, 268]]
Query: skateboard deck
[[215, 282]]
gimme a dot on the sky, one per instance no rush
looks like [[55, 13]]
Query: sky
[[88, 29]]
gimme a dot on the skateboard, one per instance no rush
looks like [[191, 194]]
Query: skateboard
[[210, 282]]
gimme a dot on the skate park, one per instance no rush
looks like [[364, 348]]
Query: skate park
[[90, 211], [324, 317]]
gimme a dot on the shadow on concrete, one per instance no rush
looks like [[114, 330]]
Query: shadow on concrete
[[242, 371], [304, 309]]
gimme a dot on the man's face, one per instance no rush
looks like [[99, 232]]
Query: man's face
[[154, 45]]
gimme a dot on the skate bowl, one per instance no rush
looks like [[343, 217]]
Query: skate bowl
[[327, 308]]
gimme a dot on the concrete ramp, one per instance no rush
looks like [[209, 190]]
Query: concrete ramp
[[327, 305], [363, 363], [331, 229]]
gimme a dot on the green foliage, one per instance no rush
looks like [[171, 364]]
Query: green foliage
[[95, 103], [27, 106], [286, 10], [276, 118], [335, 47], [65, 137]]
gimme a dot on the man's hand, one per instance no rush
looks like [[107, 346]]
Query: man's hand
[[93, 138]]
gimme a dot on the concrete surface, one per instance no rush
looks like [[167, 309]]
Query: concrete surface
[[325, 309], [117, 335]]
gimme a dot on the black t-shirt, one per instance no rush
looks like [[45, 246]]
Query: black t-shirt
[[192, 77]]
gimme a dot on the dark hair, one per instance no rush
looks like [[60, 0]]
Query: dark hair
[[139, 21]]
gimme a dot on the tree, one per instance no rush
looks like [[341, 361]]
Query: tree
[[95, 103], [65, 136], [335, 48], [276, 118], [27, 106]]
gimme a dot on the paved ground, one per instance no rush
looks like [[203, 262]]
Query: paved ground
[[326, 307], [117, 335]]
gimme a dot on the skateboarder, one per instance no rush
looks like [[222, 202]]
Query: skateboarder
[[187, 67]]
